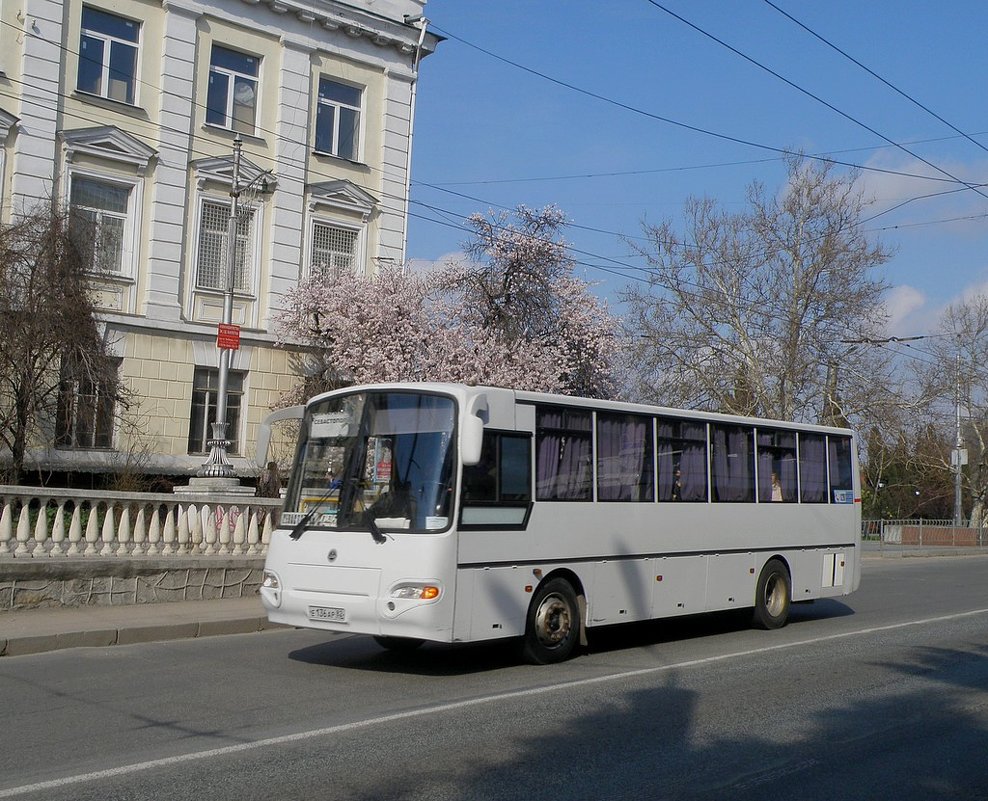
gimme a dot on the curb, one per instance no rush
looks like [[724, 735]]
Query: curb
[[24, 645]]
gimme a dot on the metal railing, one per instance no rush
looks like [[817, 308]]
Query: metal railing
[[37, 522], [923, 533]]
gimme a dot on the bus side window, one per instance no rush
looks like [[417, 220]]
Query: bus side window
[[841, 487], [515, 470], [564, 466], [812, 468], [732, 463], [497, 491], [625, 467], [777, 466], [681, 446], [503, 474]]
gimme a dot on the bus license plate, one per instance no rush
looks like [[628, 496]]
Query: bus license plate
[[329, 614]]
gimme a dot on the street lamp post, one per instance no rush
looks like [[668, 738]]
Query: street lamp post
[[217, 465]]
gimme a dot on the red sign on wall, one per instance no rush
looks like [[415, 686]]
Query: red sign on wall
[[228, 336]]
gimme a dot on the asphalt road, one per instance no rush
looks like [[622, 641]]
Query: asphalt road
[[882, 696]]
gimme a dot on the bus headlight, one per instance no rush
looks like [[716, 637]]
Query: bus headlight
[[415, 591], [271, 588]]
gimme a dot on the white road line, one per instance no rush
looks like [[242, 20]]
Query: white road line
[[138, 767]]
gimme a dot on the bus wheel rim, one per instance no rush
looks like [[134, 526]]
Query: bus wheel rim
[[775, 596], [553, 620]]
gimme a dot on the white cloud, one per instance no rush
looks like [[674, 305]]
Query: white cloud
[[973, 291], [910, 312], [907, 310], [917, 198], [425, 265]]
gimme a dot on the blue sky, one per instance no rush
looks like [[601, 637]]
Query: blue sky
[[502, 136]]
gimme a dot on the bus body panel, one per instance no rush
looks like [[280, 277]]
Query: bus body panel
[[637, 589], [498, 602], [682, 588], [731, 580], [620, 591], [590, 531], [347, 570]]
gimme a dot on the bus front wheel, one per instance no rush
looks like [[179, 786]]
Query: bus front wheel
[[553, 626], [772, 596]]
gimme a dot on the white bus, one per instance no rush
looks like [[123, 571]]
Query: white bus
[[457, 513]]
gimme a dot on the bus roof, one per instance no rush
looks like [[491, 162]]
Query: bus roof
[[464, 392]]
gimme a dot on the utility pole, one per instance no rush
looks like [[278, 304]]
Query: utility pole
[[958, 442]]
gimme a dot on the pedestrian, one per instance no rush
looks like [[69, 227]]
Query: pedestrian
[[269, 482]]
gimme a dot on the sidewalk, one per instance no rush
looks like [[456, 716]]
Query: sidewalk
[[32, 631], [870, 549]]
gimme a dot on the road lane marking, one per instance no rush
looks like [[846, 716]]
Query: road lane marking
[[343, 728]]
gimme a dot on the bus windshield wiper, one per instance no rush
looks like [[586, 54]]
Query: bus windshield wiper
[[374, 529], [299, 527]]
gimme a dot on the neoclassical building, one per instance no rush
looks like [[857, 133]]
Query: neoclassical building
[[127, 110]]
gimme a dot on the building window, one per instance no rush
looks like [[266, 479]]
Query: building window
[[231, 101], [98, 217], [333, 248], [86, 406], [205, 384], [211, 259], [108, 55], [338, 119]]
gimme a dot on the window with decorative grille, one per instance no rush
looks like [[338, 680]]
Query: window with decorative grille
[[211, 260], [333, 248]]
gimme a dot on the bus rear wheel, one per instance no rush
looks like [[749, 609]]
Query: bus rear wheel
[[772, 596], [553, 626], [399, 644]]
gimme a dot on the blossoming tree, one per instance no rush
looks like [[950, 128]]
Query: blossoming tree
[[514, 316]]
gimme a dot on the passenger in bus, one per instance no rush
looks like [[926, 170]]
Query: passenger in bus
[[677, 486], [776, 487]]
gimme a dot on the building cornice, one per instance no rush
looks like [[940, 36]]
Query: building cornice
[[355, 23], [108, 142], [219, 169], [343, 195], [7, 121]]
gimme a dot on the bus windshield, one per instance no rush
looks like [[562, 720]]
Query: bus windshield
[[381, 459]]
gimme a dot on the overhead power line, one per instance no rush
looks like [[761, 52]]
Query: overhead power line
[[696, 129], [874, 74], [815, 97]]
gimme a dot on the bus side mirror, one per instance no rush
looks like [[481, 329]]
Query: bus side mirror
[[472, 435], [264, 431]]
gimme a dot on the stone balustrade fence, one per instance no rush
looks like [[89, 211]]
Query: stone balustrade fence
[[46, 523]]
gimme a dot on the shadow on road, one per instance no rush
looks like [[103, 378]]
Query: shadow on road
[[438, 659]]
